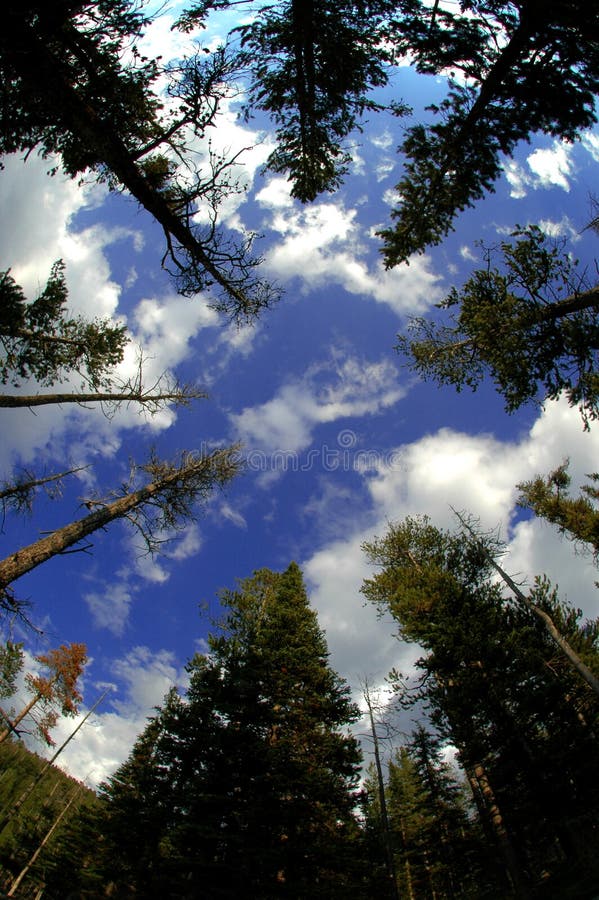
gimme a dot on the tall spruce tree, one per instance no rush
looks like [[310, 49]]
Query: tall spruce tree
[[516, 69], [246, 787], [497, 688]]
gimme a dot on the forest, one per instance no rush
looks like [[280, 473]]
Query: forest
[[264, 773]]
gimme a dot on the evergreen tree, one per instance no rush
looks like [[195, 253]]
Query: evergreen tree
[[523, 68], [247, 786], [56, 692], [577, 517], [530, 323], [74, 84], [312, 65], [39, 342], [162, 505], [524, 726]]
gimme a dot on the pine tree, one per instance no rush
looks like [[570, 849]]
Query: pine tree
[[312, 65], [247, 786], [517, 69], [528, 320], [75, 85], [39, 342], [498, 689], [56, 692]]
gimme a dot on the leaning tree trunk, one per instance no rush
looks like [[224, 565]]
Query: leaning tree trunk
[[478, 776], [27, 558]]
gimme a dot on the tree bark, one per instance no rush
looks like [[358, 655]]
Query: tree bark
[[83, 121], [14, 401], [495, 819], [568, 651], [28, 558], [391, 873]]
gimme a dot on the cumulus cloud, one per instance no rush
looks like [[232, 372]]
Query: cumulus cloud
[[545, 168], [321, 245], [332, 390], [473, 473], [552, 166]]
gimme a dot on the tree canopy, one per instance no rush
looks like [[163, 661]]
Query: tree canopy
[[497, 690], [75, 85], [312, 65], [516, 69], [528, 320], [247, 784]]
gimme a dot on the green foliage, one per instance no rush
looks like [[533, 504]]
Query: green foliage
[[86, 42], [246, 786], [498, 689], [74, 85], [11, 664], [312, 65], [24, 833], [529, 324], [522, 69], [577, 517], [39, 341]]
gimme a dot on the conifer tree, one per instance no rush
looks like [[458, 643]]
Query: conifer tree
[[246, 787], [527, 320], [497, 688], [75, 86]]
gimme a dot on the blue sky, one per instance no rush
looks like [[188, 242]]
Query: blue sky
[[338, 437]]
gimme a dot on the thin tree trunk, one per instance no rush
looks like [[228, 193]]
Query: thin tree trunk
[[391, 873], [15, 808], [27, 487], [26, 709], [407, 866], [14, 401], [84, 121], [27, 558], [495, 819], [568, 651], [49, 834]]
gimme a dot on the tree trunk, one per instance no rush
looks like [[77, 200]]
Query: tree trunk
[[82, 120], [391, 873], [27, 558], [568, 651], [15, 808], [13, 401], [49, 834], [14, 722], [495, 819]]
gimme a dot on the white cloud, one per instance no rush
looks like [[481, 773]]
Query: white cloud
[[232, 515], [329, 391], [383, 141], [552, 166], [322, 244], [590, 141], [110, 608], [546, 168], [468, 254], [105, 741], [518, 178], [474, 473], [563, 228]]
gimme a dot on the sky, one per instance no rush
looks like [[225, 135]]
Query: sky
[[339, 438]]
